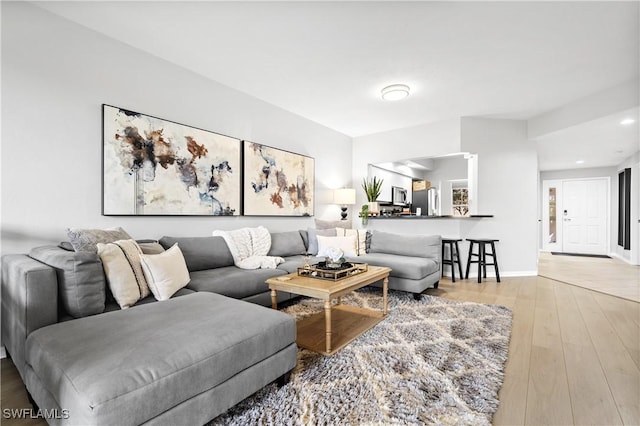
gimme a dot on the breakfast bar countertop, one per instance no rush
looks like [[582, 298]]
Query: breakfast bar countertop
[[407, 216]]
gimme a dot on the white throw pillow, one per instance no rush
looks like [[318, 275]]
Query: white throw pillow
[[121, 262], [359, 234], [346, 244], [166, 272]]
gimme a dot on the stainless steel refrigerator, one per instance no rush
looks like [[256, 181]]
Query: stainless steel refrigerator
[[427, 200]]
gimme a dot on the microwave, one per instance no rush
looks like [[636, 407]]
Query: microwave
[[398, 196]]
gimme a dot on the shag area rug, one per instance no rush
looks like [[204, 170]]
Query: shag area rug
[[433, 361]]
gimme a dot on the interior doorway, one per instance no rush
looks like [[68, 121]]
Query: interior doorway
[[575, 216]]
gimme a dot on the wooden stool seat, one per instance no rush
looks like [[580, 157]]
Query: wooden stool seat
[[454, 256], [482, 254]]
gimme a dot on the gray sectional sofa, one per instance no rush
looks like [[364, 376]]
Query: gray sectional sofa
[[181, 361]]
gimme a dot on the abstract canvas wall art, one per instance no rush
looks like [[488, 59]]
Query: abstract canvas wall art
[[277, 182], [153, 166]]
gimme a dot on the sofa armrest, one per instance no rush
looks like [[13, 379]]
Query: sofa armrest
[[29, 302]]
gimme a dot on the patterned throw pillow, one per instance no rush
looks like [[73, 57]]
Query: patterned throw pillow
[[122, 267], [85, 240]]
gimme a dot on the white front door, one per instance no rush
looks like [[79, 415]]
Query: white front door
[[584, 216]]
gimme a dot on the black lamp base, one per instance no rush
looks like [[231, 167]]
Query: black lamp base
[[343, 213]]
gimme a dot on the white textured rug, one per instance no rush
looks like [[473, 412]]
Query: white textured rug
[[433, 361]]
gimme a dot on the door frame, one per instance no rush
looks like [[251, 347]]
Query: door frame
[[558, 183], [546, 185]]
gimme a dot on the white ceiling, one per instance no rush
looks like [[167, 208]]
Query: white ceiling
[[598, 143], [327, 61]]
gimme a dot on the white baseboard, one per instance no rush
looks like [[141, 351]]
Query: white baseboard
[[624, 259], [491, 274], [3, 352]]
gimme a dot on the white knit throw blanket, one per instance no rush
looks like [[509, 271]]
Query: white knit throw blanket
[[249, 247]]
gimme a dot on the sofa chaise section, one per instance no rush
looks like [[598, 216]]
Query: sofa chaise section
[[415, 260], [159, 361]]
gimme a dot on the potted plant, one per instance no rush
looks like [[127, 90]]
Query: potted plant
[[372, 189]]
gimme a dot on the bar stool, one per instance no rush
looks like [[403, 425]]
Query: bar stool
[[454, 256], [482, 257]]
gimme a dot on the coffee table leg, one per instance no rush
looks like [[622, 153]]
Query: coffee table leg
[[327, 324], [385, 288], [274, 300]]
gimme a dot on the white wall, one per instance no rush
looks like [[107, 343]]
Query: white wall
[[413, 142], [632, 256], [55, 76], [507, 182], [507, 188]]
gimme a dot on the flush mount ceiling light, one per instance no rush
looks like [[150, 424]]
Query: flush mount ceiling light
[[580, 162], [395, 92], [627, 121]]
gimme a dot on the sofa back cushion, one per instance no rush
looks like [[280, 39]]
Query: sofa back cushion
[[81, 280], [286, 244], [201, 253], [406, 245]]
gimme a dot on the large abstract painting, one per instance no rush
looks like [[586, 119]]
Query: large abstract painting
[[277, 182], [153, 166]]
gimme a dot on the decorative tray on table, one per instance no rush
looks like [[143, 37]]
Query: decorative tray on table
[[322, 271]]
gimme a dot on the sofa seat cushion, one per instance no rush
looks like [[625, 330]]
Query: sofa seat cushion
[[414, 268], [233, 282], [131, 365], [292, 263]]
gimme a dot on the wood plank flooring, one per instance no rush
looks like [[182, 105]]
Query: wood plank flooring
[[574, 354], [609, 276]]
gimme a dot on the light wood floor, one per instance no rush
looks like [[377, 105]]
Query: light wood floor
[[574, 354], [610, 276]]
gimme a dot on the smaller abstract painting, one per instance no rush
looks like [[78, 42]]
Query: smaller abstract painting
[[277, 182], [153, 166]]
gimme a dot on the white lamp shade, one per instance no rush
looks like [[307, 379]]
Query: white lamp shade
[[344, 196]]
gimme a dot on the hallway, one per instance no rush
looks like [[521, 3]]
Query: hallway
[[608, 276]]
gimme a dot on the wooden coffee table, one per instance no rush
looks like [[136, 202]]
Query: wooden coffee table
[[332, 329]]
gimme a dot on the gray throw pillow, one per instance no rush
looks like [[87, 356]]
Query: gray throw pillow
[[201, 253], [85, 240], [285, 244], [313, 238]]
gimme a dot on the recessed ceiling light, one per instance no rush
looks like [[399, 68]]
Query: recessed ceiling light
[[580, 162], [627, 121], [395, 92]]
